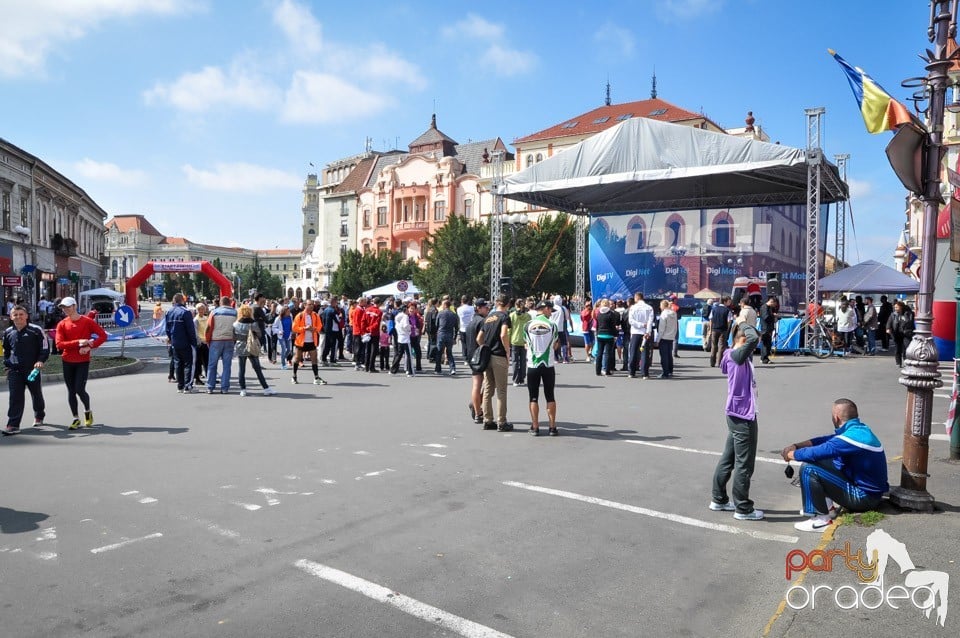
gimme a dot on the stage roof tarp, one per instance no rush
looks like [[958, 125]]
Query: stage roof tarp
[[642, 164], [391, 290], [101, 292], [869, 276]]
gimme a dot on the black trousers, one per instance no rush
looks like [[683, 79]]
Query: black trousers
[[638, 354], [183, 366], [666, 356], [75, 378], [329, 347], [417, 353], [18, 384]]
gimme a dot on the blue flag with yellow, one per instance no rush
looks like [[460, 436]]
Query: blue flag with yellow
[[880, 111]]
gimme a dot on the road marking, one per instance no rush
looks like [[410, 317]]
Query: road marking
[[248, 506], [825, 539], [47, 534], [411, 606], [675, 518], [940, 437], [362, 453], [439, 456], [46, 555], [147, 499], [229, 533], [369, 474], [129, 541], [943, 396], [130, 493], [765, 459]]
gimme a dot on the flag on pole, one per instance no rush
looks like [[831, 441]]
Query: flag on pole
[[880, 111]]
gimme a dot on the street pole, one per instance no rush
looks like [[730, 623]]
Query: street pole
[[955, 424], [920, 374]]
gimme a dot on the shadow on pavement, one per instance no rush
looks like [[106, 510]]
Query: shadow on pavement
[[15, 522], [593, 431], [61, 431]]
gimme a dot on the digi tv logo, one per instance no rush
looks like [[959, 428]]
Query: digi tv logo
[[923, 589]]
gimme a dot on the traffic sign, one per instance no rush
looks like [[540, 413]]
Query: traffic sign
[[123, 317], [402, 285]]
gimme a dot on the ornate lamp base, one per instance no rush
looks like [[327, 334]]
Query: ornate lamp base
[[914, 500]]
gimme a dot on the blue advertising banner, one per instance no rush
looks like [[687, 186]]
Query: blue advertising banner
[[698, 252]]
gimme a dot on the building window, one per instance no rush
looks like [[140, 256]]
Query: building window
[[366, 218], [6, 211], [344, 228], [23, 211], [722, 237], [439, 211], [344, 209], [309, 274], [403, 249], [675, 232], [381, 245], [636, 234], [539, 157], [468, 208], [381, 216], [343, 248], [366, 248], [529, 160]]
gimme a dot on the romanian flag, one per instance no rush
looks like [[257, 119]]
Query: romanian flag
[[880, 111]]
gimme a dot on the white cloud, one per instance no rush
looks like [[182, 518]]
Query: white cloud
[[109, 172], [241, 177], [496, 54], [616, 40], [474, 27], [382, 65], [859, 188], [322, 98], [210, 87], [506, 61], [33, 30], [299, 25]]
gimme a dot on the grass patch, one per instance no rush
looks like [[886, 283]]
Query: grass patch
[[54, 364], [865, 519]]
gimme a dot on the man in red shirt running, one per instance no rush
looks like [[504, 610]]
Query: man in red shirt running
[[76, 336]]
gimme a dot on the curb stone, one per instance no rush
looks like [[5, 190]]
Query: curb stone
[[127, 368]]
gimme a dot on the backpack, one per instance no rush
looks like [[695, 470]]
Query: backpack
[[253, 344], [480, 359]]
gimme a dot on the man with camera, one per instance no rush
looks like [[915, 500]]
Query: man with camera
[[848, 467]]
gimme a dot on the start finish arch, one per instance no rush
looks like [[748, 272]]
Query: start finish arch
[[154, 267]]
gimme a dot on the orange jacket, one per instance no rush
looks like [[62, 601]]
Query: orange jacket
[[299, 328], [356, 320]]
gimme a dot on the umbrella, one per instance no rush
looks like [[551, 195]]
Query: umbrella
[[706, 293]]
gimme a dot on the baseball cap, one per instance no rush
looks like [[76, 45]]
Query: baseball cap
[[546, 303], [480, 302], [68, 301], [325, 303]]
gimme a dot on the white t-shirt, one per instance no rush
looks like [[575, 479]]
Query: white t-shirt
[[465, 311]]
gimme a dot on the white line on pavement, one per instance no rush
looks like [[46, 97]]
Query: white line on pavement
[[423, 611], [675, 518], [765, 459], [107, 548], [940, 437]]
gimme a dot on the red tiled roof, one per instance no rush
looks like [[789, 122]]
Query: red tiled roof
[[280, 252], [179, 241], [357, 178], [126, 223], [604, 117]]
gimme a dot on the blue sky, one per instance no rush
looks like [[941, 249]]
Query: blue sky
[[204, 115]]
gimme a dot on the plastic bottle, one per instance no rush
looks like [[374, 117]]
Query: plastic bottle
[[33, 374]]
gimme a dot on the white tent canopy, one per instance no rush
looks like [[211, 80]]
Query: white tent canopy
[[391, 289], [101, 292], [642, 164]]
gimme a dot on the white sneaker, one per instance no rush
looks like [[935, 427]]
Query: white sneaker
[[269, 392], [814, 524], [755, 515], [243, 393], [722, 507]]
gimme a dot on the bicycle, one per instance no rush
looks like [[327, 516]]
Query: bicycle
[[821, 342]]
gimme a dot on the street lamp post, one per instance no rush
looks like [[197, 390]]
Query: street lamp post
[[26, 272], [678, 252], [920, 374]]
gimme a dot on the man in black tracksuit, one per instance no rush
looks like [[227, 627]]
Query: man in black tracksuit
[[182, 335], [25, 348]]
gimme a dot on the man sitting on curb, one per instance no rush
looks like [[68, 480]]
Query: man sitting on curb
[[848, 467]]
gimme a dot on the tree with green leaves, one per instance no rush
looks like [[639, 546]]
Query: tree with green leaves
[[544, 258], [361, 271], [256, 277], [459, 254]]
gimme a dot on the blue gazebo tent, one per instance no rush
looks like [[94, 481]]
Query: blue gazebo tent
[[870, 276]]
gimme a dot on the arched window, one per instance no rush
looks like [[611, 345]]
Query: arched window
[[114, 270], [529, 161], [674, 230], [722, 231], [539, 157], [636, 235]]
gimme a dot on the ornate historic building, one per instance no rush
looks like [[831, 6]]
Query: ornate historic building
[[51, 231]]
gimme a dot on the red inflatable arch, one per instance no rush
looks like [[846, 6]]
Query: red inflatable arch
[[153, 267]]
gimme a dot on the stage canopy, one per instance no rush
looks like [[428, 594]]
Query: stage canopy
[[392, 290], [642, 164], [869, 276]]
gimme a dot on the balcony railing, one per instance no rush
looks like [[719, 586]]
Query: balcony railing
[[411, 226]]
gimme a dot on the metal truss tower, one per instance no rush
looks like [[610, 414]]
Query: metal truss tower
[[496, 226], [814, 178], [581, 228], [840, 245]]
